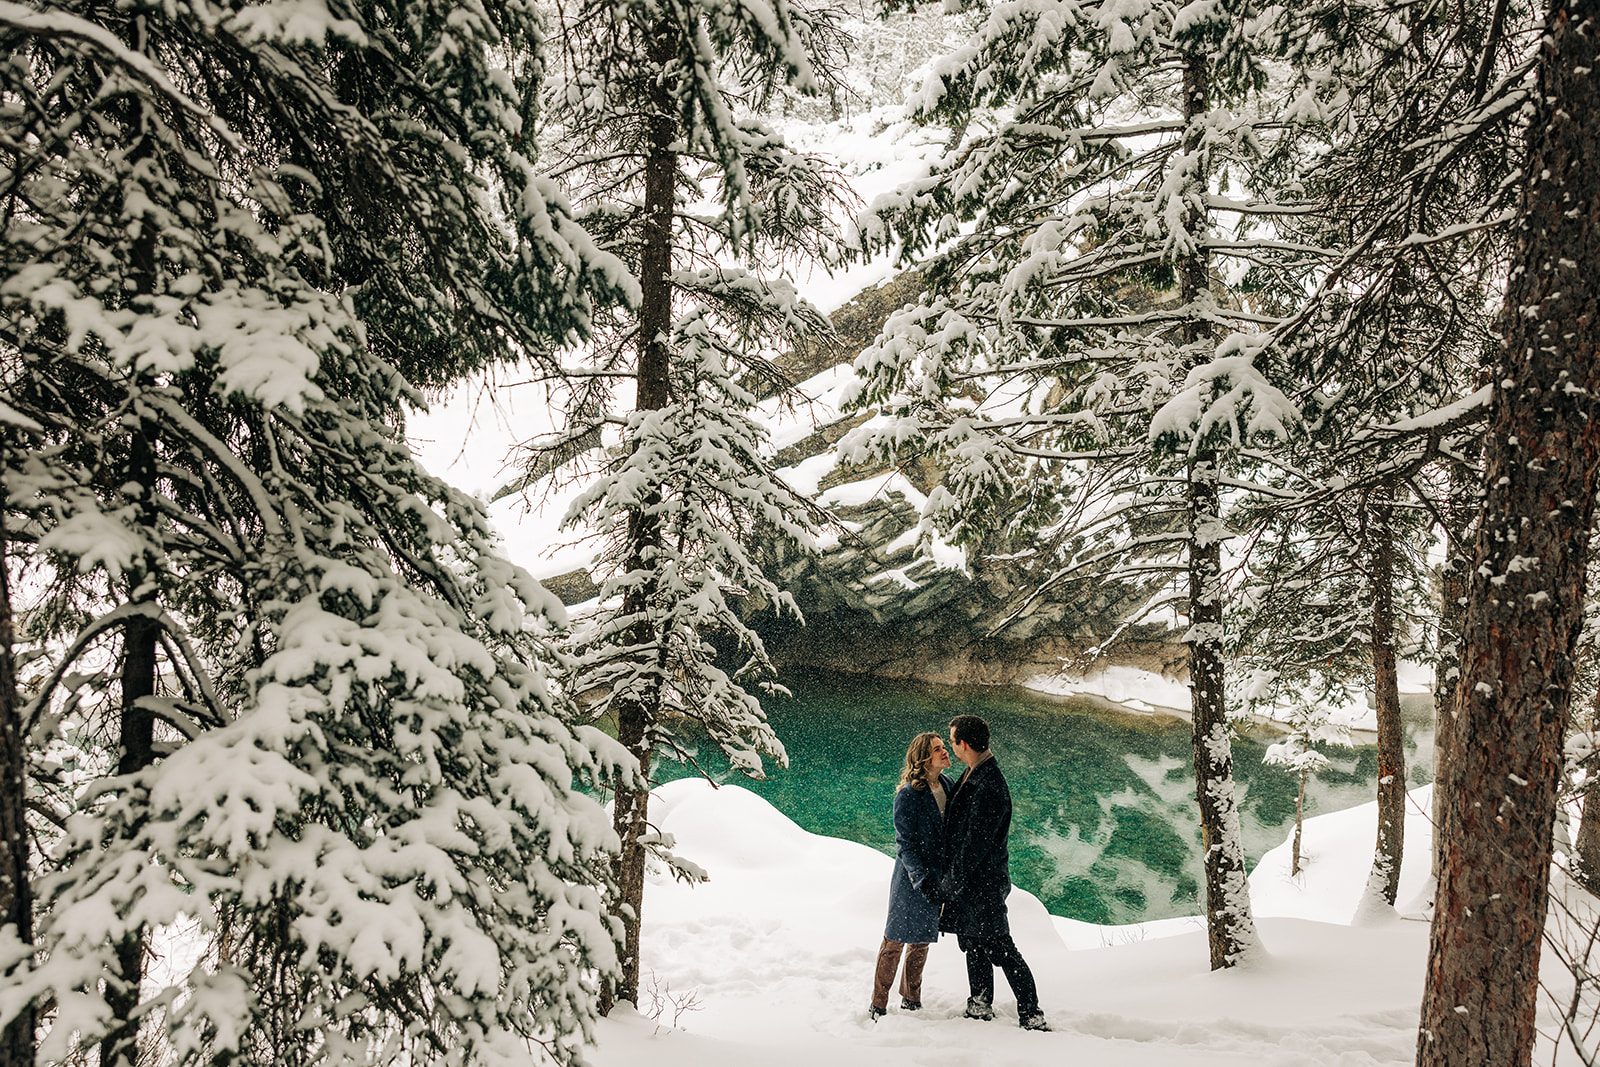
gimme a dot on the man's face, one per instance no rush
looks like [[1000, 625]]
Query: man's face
[[962, 750]]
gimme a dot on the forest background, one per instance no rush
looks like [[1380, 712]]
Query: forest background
[[1311, 282]]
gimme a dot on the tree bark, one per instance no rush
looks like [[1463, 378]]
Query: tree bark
[[1384, 881], [637, 712], [629, 817], [16, 892], [1231, 930], [1527, 583]]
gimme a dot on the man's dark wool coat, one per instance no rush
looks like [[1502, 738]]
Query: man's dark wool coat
[[977, 874], [919, 856]]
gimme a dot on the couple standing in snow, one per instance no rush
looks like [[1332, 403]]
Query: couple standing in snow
[[952, 872]]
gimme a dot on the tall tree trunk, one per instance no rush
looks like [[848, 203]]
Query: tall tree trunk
[[629, 817], [16, 893], [636, 713], [1527, 583], [1229, 924], [140, 634], [1228, 921], [1453, 590], [1384, 881]]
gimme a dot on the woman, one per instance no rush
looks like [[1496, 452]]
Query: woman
[[919, 846]]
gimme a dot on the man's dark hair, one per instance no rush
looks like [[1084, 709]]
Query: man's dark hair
[[971, 730]]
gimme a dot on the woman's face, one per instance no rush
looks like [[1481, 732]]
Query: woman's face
[[941, 757]]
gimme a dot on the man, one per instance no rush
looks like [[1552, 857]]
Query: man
[[978, 876]]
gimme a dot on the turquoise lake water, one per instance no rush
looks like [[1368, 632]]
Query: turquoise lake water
[[1104, 828]]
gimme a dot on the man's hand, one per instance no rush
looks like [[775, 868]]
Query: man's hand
[[930, 892]]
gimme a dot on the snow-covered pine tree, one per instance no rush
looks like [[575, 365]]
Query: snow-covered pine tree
[[644, 121], [303, 701], [1418, 108], [1306, 704], [1337, 591], [381, 838], [1080, 333], [1338, 587]]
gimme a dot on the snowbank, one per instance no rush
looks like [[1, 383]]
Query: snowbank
[[777, 950], [1129, 687], [1336, 855]]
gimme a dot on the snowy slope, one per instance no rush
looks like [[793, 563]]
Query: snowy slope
[[777, 952]]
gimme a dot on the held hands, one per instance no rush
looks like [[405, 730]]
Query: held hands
[[931, 893]]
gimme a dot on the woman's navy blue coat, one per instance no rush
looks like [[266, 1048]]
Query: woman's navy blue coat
[[919, 854]]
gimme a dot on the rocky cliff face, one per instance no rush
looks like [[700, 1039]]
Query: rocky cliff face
[[874, 604]]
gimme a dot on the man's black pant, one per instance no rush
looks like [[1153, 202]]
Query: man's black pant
[[984, 954]]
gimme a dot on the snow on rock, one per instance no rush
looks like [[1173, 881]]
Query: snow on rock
[[1141, 690], [1131, 687]]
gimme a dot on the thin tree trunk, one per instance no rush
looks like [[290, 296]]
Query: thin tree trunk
[[140, 635], [636, 713], [1526, 603], [16, 893], [1384, 881], [120, 1046], [1230, 928], [1586, 849], [1228, 920], [1299, 824], [1453, 589], [629, 817]]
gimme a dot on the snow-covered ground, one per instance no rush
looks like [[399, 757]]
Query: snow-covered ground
[[770, 963]]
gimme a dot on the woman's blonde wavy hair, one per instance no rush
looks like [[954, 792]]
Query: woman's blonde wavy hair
[[919, 755]]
